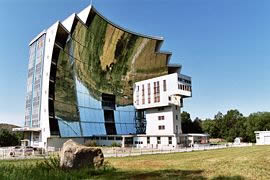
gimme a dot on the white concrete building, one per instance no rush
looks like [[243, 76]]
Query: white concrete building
[[262, 137], [160, 99], [197, 139]]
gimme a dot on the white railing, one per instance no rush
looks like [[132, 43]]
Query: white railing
[[122, 152], [5, 153]]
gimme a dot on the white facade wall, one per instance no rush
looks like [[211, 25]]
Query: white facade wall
[[163, 116], [172, 121], [171, 80], [141, 142], [262, 137], [177, 119], [153, 122], [39, 139], [171, 89], [44, 111]]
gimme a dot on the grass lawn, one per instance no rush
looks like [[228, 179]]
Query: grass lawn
[[232, 163]]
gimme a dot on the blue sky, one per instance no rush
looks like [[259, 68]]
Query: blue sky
[[224, 45]]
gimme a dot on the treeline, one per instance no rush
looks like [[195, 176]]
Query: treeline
[[228, 126], [9, 138]]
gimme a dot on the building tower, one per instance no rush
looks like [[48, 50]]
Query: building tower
[[161, 100]]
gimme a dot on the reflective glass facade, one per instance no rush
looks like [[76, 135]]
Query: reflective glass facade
[[96, 70], [34, 83]]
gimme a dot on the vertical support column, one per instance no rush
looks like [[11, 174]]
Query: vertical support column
[[123, 142]]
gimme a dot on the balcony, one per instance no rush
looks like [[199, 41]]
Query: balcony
[[184, 86], [184, 79]]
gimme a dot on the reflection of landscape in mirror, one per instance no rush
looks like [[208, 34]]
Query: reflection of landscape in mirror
[[102, 59]]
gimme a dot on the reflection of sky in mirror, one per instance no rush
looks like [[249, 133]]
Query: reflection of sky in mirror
[[126, 116], [92, 117], [91, 112], [85, 99], [69, 128]]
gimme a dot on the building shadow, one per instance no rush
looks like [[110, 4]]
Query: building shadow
[[164, 175], [160, 174], [228, 178]]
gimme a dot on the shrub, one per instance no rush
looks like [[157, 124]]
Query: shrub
[[53, 162], [90, 143], [115, 144]]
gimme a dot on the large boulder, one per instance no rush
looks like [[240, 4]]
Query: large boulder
[[74, 155]]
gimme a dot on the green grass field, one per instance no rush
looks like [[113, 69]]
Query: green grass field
[[232, 163]]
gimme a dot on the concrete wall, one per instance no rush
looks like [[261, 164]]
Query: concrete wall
[[164, 142], [153, 122], [171, 90], [44, 111], [177, 119]]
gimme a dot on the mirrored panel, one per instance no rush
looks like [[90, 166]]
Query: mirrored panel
[[96, 71]]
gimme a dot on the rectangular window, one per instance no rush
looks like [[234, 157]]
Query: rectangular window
[[143, 97], [158, 92], [137, 95], [176, 117], [161, 117], [155, 92], [149, 93], [103, 138], [96, 138], [118, 138], [176, 108], [164, 86], [158, 140], [170, 140], [148, 140], [110, 138], [162, 127]]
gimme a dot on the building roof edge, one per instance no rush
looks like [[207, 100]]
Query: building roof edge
[[38, 36], [125, 29]]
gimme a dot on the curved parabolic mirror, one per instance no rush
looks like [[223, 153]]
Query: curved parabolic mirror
[[96, 71]]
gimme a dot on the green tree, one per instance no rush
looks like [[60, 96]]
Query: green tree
[[231, 125], [210, 126], [188, 126], [197, 125], [186, 122], [9, 139], [259, 121], [228, 126]]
